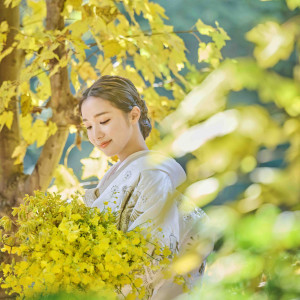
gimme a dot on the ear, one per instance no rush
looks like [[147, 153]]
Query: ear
[[134, 115]]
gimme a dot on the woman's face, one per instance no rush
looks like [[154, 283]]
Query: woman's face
[[108, 127]]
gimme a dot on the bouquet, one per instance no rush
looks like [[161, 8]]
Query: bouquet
[[57, 245]]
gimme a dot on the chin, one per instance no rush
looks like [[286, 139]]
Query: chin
[[107, 152]]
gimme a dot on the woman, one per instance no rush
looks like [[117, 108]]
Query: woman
[[138, 186]]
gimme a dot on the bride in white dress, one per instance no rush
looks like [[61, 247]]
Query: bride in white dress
[[138, 186]]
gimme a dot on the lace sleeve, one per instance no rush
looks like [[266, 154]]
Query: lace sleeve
[[149, 201], [90, 196]]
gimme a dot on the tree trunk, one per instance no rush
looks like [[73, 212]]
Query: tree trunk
[[13, 183], [62, 104], [10, 66], [9, 139]]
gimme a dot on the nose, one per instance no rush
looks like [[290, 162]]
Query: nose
[[97, 132]]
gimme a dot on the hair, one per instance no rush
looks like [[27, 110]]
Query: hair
[[123, 95]]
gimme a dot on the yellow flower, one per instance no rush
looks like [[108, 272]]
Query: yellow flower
[[138, 282], [61, 252], [135, 241], [166, 252], [76, 217], [130, 297]]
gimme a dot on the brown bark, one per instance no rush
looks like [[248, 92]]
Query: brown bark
[[10, 174], [13, 183], [62, 104]]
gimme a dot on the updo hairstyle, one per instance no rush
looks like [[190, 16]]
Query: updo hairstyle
[[122, 94]]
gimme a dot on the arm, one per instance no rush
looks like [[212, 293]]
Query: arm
[[90, 196], [157, 200], [149, 201], [153, 202]]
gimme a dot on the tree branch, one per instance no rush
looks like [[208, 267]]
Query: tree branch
[[146, 33]]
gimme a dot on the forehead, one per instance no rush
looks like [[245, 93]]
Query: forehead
[[94, 105]]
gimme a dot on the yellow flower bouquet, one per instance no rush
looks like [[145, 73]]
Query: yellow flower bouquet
[[59, 246]]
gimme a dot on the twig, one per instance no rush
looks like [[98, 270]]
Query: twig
[[195, 35], [119, 290], [153, 33], [67, 155], [132, 282], [151, 256], [87, 59]]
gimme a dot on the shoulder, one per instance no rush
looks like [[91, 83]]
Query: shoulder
[[162, 165], [151, 193], [153, 189], [155, 178]]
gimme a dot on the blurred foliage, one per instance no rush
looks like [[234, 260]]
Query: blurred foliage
[[257, 254], [74, 296], [257, 241]]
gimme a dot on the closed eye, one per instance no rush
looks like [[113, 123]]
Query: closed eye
[[100, 123]]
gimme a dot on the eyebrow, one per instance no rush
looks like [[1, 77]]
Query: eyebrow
[[97, 115]]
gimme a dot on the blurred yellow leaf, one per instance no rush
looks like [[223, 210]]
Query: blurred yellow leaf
[[26, 104], [273, 43], [111, 48], [94, 166], [6, 118], [293, 4], [186, 263], [86, 71], [19, 153]]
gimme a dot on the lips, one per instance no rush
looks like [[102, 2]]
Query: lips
[[104, 144]]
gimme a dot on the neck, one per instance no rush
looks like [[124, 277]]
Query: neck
[[135, 144], [123, 156]]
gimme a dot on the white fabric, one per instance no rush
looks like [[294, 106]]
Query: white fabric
[[138, 189]]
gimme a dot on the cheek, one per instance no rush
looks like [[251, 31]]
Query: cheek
[[117, 130], [114, 129], [90, 136]]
